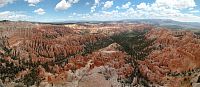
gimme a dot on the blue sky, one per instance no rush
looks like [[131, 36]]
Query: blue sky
[[103, 10]]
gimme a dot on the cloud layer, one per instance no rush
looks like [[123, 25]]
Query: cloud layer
[[93, 8], [64, 5], [33, 2], [5, 2], [127, 5], [160, 9], [10, 15], [108, 4], [180, 10], [40, 11]]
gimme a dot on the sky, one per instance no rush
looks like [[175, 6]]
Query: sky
[[99, 10]]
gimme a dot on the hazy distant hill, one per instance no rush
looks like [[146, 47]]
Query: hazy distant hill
[[166, 23], [156, 22]]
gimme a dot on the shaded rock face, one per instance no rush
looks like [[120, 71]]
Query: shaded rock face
[[177, 57]]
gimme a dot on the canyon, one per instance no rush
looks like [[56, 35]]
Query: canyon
[[101, 54]]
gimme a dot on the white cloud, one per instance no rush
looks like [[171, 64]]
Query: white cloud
[[96, 2], [64, 5], [108, 15], [156, 10], [73, 1], [10, 15], [176, 4], [117, 7], [127, 5], [108, 4], [33, 2], [170, 9], [194, 11], [191, 8], [31, 5], [40, 11], [93, 8], [143, 6], [124, 6], [5, 2]]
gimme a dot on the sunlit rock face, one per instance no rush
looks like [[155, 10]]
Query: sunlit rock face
[[98, 68], [176, 53]]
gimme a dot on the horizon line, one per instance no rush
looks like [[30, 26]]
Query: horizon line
[[72, 21]]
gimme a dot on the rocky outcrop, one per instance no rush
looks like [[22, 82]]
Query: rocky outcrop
[[179, 54]]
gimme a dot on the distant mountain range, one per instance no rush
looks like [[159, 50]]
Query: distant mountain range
[[155, 22], [166, 23]]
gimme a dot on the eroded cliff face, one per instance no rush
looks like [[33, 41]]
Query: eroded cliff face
[[103, 68], [104, 55], [175, 56], [56, 55]]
